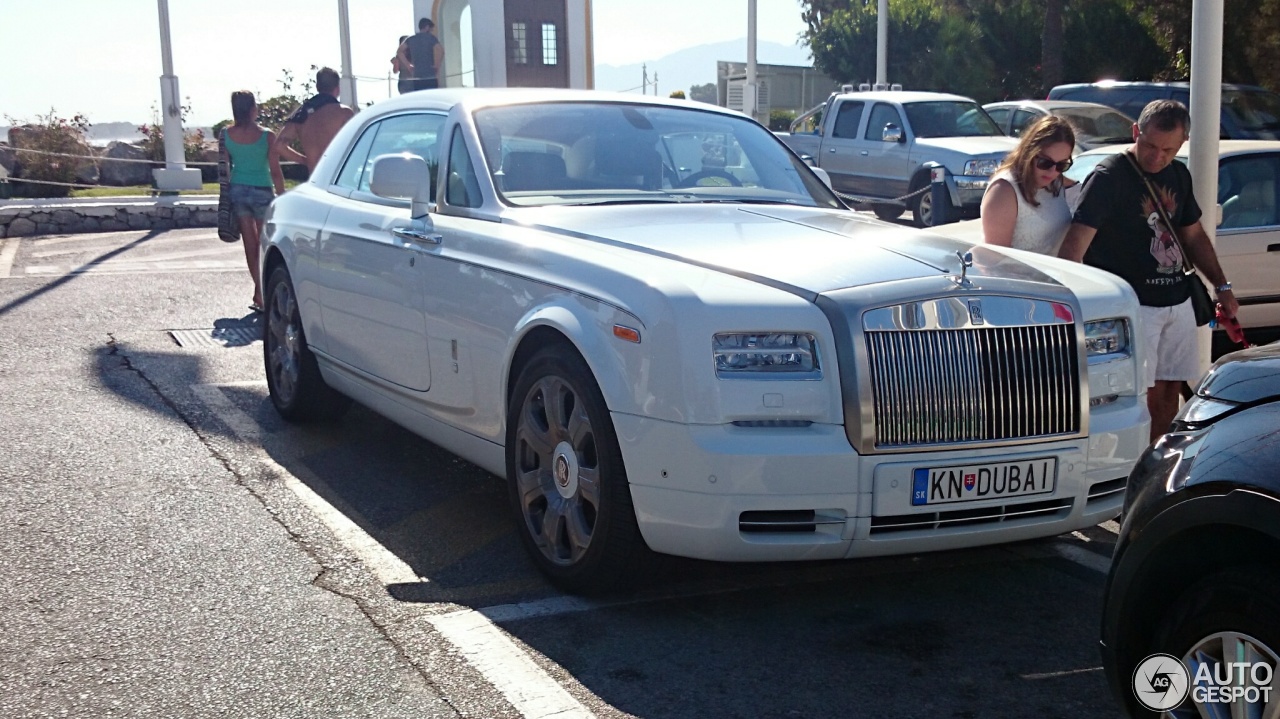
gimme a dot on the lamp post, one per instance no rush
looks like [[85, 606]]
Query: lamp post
[[347, 84], [1206, 117], [749, 90], [175, 175]]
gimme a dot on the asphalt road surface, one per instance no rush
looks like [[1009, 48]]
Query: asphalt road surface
[[172, 548]]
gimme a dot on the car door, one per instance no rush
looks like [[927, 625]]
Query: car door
[[1248, 240], [372, 300], [884, 166], [1022, 117], [840, 149], [1000, 115]]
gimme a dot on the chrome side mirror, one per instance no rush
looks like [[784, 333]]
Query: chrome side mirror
[[403, 176], [891, 133]]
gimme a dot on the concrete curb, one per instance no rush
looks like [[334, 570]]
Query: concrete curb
[[60, 216]]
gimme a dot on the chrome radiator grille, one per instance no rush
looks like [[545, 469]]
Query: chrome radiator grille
[[947, 386]]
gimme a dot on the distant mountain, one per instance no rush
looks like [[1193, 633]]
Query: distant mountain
[[695, 66]]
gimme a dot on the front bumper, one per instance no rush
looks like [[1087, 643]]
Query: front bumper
[[691, 486]]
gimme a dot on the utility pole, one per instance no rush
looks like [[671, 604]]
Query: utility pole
[[175, 175], [749, 91], [347, 84], [882, 43]]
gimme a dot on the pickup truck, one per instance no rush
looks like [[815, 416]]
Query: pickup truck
[[880, 146]]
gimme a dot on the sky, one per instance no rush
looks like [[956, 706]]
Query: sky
[[101, 58]]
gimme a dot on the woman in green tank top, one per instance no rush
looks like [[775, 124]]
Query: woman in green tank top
[[255, 178]]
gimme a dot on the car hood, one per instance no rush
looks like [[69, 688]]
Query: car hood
[[1246, 376], [808, 250]]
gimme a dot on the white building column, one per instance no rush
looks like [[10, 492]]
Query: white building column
[[1206, 118], [175, 175]]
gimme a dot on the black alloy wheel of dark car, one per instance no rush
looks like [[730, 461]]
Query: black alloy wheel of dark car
[[1231, 616], [567, 484], [297, 390]]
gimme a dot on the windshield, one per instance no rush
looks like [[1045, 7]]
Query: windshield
[[579, 153], [949, 118], [1253, 111], [1100, 125]]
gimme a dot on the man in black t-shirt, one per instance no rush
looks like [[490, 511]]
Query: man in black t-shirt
[[1117, 227], [422, 53]]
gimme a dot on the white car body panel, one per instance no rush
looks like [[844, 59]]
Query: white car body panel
[[427, 336]]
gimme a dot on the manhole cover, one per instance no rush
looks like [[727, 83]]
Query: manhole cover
[[217, 337]]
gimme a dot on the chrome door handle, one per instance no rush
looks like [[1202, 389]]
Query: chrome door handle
[[417, 237], [864, 153], [831, 150]]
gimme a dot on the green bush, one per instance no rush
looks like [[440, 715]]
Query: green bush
[[49, 133], [780, 120], [678, 94], [152, 141]]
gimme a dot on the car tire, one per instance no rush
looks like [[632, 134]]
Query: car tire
[[297, 390], [887, 212], [922, 205], [1242, 604], [567, 483]]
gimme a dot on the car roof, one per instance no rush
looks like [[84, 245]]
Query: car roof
[[905, 96], [1049, 104], [475, 97], [1141, 84]]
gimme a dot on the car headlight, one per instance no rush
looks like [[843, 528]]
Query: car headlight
[[1200, 410], [759, 355], [1106, 340], [981, 167]]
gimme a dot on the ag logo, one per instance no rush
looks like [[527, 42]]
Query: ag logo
[[1160, 682]]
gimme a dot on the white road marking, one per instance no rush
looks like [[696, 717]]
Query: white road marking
[[491, 652], [385, 565], [193, 249], [8, 250], [533, 692], [1083, 557], [113, 267]]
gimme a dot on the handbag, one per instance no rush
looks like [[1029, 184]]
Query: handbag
[[228, 228], [1205, 307]]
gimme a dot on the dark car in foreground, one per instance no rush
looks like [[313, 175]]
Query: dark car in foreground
[[1196, 571]]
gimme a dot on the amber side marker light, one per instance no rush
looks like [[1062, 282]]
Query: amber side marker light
[[626, 333]]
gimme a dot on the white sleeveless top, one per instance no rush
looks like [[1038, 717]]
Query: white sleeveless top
[[1038, 229]]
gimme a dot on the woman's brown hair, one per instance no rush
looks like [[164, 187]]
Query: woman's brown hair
[[242, 103], [1046, 131]]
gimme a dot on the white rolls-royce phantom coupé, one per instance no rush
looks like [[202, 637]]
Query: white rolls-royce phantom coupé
[[668, 335]]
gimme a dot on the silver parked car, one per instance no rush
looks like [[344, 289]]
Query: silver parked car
[[1096, 125]]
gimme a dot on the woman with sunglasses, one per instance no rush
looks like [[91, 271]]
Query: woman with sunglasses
[[1025, 206]]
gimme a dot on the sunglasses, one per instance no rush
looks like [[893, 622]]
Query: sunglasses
[[1044, 163]]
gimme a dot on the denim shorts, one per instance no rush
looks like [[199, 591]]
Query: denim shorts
[[250, 200]]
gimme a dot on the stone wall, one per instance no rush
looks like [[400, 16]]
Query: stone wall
[[45, 217]]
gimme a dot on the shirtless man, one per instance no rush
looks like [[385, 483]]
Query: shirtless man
[[313, 124]]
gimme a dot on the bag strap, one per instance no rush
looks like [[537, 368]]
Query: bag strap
[[1187, 266]]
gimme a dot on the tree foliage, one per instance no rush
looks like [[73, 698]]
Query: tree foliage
[[703, 93], [997, 49]]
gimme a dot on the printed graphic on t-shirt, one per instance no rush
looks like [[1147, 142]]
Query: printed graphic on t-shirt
[[1164, 246]]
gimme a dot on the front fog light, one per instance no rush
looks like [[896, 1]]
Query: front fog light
[[1106, 340], [757, 355]]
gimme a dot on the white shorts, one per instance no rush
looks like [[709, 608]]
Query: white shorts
[[1172, 343]]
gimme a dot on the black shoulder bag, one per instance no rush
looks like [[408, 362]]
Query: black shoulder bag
[[1205, 307]]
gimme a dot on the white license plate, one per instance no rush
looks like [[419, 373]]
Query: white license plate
[[974, 482]]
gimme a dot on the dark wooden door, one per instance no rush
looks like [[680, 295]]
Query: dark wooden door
[[536, 43]]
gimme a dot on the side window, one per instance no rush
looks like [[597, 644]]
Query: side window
[[415, 134], [847, 119], [1248, 185], [463, 189], [882, 115], [1001, 116], [354, 167], [1138, 99], [1021, 119]]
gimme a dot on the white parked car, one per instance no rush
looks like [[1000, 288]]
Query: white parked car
[[667, 334], [1248, 240]]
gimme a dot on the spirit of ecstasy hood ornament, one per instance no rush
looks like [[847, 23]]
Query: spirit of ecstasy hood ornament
[[966, 261]]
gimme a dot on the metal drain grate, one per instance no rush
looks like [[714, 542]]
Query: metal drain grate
[[217, 337]]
